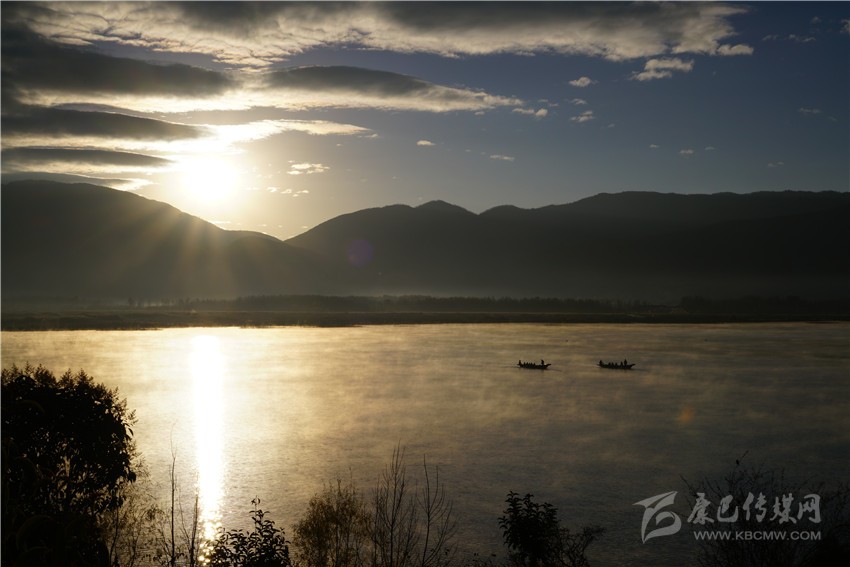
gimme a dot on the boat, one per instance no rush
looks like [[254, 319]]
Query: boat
[[615, 365], [534, 365]]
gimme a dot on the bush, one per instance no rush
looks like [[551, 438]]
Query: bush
[[335, 530], [265, 546], [534, 536], [406, 524]]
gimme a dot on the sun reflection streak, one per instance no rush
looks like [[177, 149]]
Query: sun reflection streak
[[207, 367]]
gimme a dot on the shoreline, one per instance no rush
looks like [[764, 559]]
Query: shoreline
[[118, 320]]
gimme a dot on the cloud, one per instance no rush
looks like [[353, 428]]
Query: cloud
[[307, 168], [654, 146], [342, 86], [585, 116], [775, 164], [663, 68], [801, 38], [425, 143], [578, 101], [115, 183], [582, 82], [59, 122], [845, 26], [229, 134], [25, 158], [710, 148], [33, 64], [500, 157], [49, 74], [542, 113], [809, 111], [686, 152], [258, 34], [790, 37], [129, 133], [738, 49]]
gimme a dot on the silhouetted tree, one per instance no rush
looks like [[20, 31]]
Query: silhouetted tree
[[67, 457], [410, 527], [534, 536]]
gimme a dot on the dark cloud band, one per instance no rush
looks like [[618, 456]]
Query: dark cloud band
[[63, 122], [348, 79], [20, 156], [355, 86], [31, 63]]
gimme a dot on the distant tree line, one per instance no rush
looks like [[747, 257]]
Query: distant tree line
[[420, 303], [757, 305], [378, 304], [749, 305]]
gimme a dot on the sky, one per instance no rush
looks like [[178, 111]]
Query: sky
[[277, 116]]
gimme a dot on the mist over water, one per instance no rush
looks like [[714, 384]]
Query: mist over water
[[276, 413]]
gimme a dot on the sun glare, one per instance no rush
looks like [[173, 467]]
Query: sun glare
[[209, 180], [207, 366]]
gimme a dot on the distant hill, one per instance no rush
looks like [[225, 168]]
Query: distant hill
[[83, 240], [627, 245], [77, 239]]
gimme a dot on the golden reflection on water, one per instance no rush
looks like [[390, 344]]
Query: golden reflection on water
[[207, 367]]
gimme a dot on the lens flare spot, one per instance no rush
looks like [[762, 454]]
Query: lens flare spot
[[360, 253], [686, 415]]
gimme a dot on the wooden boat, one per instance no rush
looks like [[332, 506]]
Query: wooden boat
[[534, 365], [615, 365]]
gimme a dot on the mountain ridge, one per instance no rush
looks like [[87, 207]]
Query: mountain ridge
[[89, 240]]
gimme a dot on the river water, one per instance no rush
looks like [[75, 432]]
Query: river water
[[276, 413]]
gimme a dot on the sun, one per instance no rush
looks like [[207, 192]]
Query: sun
[[209, 180]]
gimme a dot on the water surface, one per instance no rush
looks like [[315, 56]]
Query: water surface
[[276, 413]]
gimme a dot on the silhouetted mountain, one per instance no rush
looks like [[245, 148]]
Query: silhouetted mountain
[[629, 245], [63, 239], [77, 239]]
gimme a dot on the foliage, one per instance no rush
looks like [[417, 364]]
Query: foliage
[[130, 532], [67, 458], [406, 523], [335, 529], [265, 546], [75, 433], [533, 535], [530, 530]]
